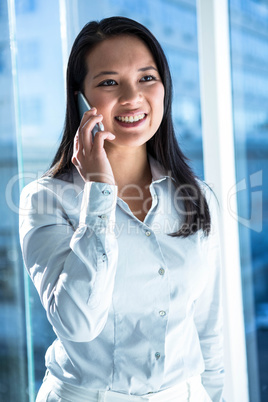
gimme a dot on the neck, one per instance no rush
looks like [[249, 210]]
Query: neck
[[133, 177], [130, 166]]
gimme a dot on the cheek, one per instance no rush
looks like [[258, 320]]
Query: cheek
[[159, 94], [104, 106], [101, 105], [159, 102]]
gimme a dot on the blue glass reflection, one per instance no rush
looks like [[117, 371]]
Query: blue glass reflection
[[249, 52]]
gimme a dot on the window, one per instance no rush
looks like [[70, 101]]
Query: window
[[13, 366], [31, 111], [249, 51], [29, 57], [2, 59], [25, 6]]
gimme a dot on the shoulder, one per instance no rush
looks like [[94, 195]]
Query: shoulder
[[49, 201], [52, 186]]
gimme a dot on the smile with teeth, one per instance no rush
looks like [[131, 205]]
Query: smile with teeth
[[131, 119]]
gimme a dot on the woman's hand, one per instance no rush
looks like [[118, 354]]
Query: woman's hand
[[89, 157]]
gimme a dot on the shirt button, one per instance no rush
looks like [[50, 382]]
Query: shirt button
[[148, 233], [157, 355], [161, 271], [103, 216], [106, 192], [162, 313], [104, 257]]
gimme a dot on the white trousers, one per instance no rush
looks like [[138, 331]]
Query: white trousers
[[53, 390]]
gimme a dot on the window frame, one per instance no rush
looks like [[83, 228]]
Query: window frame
[[217, 117]]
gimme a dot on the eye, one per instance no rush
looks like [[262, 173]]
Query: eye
[[107, 83], [147, 78]]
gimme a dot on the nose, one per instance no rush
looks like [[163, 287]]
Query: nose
[[130, 94]]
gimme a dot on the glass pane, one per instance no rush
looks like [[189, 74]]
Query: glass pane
[[13, 362], [42, 107], [249, 52]]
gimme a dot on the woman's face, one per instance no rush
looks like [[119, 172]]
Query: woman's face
[[124, 84]]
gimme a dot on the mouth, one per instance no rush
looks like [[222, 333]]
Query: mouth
[[131, 119]]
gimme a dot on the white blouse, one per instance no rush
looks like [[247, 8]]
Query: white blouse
[[134, 309]]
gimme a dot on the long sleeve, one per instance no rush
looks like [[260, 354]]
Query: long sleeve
[[71, 255], [208, 315]]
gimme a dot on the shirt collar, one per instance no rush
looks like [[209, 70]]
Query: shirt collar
[[157, 170]]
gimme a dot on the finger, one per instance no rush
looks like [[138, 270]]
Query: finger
[[76, 142], [86, 131], [89, 113], [77, 146], [91, 119], [74, 161], [100, 137], [84, 122], [77, 159]]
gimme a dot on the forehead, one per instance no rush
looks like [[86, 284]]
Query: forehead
[[119, 50]]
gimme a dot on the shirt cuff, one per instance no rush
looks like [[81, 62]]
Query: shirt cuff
[[99, 201]]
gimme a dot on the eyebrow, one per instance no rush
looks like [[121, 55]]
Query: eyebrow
[[147, 68], [115, 73]]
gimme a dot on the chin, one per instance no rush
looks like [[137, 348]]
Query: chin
[[132, 143]]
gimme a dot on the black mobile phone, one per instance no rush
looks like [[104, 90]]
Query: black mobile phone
[[83, 106]]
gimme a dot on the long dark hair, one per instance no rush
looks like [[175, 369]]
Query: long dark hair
[[162, 146]]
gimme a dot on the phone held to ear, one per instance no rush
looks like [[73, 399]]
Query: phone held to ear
[[83, 107]]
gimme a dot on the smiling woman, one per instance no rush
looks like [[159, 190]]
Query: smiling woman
[[120, 238], [130, 95]]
